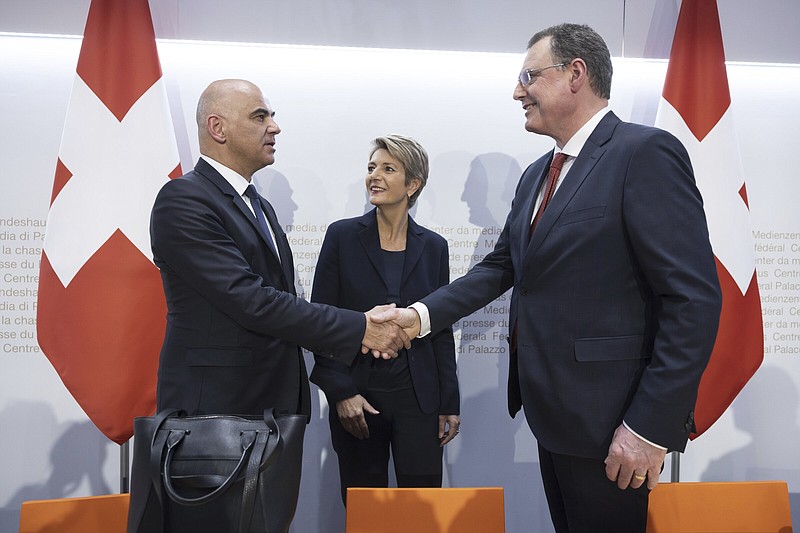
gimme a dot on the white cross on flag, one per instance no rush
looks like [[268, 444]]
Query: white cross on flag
[[696, 108], [101, 309]]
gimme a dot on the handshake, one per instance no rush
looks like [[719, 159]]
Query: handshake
[[389, 329]]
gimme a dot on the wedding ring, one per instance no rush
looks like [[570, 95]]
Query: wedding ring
[[640, 478]]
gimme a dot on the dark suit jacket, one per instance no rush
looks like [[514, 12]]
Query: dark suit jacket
[[234, 324], [350, 274], [616, 300]]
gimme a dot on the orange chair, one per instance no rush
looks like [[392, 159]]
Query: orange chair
[[461, 510], [95, 514], [759, 506]]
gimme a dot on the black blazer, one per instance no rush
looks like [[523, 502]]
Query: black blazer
[[350, 274], [616, 300], [234, 324]]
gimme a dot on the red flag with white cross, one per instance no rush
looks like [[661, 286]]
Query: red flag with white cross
[[101, 310], [696, 108]]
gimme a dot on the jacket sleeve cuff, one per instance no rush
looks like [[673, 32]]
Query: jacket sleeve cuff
[[642, 438]]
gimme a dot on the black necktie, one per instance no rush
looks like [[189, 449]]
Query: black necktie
[[255, 202]]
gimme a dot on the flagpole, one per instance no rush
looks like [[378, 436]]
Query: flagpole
[[124, 470], [624, 9], [675, 469]]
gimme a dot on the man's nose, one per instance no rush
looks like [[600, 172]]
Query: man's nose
[[519, 92]]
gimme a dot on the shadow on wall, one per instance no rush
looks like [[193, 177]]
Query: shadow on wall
[[489, 189], [275, 187], [357, 200], [772, 451], [76, 458]]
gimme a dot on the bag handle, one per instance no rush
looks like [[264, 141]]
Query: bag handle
[[174, 439], [156, 444], [164, 444], [253, 467]]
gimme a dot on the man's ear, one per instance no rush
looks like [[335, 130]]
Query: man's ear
[[578, 74], [215, 128]]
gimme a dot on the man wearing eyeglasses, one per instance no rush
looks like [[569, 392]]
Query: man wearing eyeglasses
[[616, 300]]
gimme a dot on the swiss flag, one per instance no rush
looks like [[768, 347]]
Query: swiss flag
[[696, 107], [101, 311]]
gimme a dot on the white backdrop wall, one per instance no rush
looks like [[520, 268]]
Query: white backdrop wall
[[330, 103]]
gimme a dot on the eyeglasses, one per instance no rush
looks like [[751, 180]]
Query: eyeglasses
[[528, 75]]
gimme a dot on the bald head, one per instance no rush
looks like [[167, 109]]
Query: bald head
[[235, 126], [219, 97]]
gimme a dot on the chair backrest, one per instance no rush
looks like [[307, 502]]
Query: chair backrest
[[758, 506], [95, 514], [450, 510]]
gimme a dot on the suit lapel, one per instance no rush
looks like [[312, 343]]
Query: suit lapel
[[415, 244], [590, 154], [211, 174], [371, 242]]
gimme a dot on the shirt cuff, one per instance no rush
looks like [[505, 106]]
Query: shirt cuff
[[642, 438], [424, 318]]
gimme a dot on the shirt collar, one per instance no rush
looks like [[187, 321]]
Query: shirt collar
[[575, 144], [237, 181]]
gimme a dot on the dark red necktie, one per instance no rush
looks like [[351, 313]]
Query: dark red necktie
[[550, 186]]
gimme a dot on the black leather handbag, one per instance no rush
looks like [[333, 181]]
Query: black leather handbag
[[215, 473]]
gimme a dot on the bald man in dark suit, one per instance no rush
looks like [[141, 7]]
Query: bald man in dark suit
[[234, 323]]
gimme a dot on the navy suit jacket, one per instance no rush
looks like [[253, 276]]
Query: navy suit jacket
[[350, 274], [234, 324], [616, 300]]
